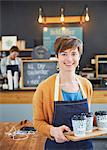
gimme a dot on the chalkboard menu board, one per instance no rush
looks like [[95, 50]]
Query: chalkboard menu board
[[35, 71]]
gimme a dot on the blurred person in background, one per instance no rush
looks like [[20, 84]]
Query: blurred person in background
[[11, 59]]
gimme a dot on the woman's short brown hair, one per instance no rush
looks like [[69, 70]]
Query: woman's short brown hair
[[14, 49], [66, 42]]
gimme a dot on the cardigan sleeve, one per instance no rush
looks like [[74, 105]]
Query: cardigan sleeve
[[38, 114]]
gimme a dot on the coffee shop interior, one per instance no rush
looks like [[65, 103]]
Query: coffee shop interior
[[33, 26]]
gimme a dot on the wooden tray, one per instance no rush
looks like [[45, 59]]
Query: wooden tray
[[96, 132]]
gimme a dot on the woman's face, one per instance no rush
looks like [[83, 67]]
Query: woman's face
[[69, 59], [13, 55]]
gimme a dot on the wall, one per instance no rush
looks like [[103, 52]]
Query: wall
[[0, 18], [10, 112], [16, 112], [20, 18]]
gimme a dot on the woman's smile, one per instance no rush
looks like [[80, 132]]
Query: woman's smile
[[68, 65]]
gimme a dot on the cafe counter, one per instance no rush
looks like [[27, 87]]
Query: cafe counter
[[25, 96], [17, 105], [16, 96]]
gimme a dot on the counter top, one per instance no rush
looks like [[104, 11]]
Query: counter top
[[100, 88], [26, 96], [16, 97], [33, 89], [28, 89]]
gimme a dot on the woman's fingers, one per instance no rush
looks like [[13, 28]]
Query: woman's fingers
[[57, 133], [65, 128], [61, 138]]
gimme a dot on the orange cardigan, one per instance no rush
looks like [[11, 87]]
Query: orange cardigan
[[43, 103]]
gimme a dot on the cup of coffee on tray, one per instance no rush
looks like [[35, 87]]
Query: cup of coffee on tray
[[101, 118], [79, 125], [89, 122]]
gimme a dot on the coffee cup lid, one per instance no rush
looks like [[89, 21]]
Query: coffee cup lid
[[79, 117], [89, 114], [101, 113]]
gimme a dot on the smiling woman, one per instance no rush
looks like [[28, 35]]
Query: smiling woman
[[61, 96], [68, 52]]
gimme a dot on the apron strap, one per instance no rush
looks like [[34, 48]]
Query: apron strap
[[56, 91], [82, 90]]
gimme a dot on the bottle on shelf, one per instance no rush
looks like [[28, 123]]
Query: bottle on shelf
[[15, 80], [20, 83], [5, 85], [3, 54], [10, 80]]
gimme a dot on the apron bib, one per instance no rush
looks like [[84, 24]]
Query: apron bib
[[63, 112]]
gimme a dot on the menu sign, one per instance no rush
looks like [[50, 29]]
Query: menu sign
[[35, 71]]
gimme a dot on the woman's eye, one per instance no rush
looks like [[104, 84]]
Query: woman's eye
[[63, 54], [73, 54]]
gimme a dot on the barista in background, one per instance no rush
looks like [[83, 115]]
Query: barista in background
[[11, 59]]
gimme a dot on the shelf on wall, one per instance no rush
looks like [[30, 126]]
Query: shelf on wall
[[67, 19], [27, 49]]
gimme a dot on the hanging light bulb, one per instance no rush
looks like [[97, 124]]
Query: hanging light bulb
[[45, 29], [86, 15], [63, 28], [40, 19], [62, 15]]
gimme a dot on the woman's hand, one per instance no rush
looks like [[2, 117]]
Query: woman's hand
[[57, 133]]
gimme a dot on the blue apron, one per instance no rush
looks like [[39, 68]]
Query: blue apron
[[63, 112]]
